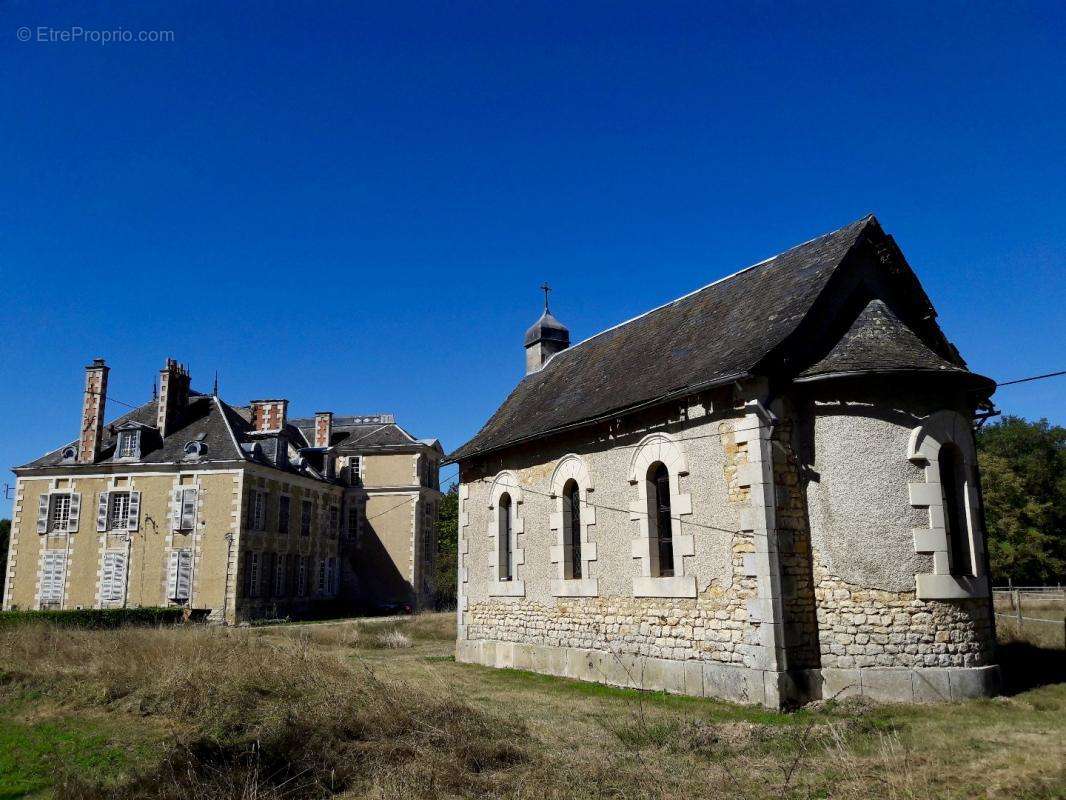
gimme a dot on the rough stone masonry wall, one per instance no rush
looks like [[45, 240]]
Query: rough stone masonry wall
[[862, 627], [715, 626], [863, 558], [794, 554]]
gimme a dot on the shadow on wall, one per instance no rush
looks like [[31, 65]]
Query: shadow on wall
[[380, 583], [1025, 666]]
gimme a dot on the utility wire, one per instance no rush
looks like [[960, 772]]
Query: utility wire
[[106, 397], [1033, 378], [402, 503], [625, 511]]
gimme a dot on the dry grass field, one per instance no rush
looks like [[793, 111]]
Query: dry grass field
[[379, 709]]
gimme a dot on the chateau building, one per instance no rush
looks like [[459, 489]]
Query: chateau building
[[765, 491], [239, 512]]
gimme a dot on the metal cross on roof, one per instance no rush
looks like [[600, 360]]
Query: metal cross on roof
[[544, 287]]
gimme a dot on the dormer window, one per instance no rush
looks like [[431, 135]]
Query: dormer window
[[195, 450], [129, 445], [70, 454]]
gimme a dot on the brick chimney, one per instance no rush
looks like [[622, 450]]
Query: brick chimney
[[92, 411], [323, 428], [269, 416], [173, 396]]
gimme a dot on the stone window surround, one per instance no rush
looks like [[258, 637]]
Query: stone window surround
[[653, 448], [923, 449], [573, 467], [506, 482]]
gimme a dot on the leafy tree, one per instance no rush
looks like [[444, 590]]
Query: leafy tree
[[1023, 480], [5, 535], [448, 548]]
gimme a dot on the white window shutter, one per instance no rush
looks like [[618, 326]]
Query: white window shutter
[[113, 582], [134, 517], [184, 577], [107, 578], [75, 512], [101, 512], [53, 575], [172, 575], [42, 513], [175, 510], [188, 509]]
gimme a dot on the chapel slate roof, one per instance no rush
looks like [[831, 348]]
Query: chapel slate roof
[[878, 341], [715, 335]]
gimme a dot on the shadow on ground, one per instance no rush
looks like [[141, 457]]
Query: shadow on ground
[[1026, 666]]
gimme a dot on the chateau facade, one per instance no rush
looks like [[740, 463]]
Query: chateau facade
[[238, 512], [765, 491]]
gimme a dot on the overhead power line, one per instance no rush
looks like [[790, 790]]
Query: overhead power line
[[1033, 378]]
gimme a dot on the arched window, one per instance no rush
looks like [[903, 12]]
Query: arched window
[[953, 486], [572, 529], [504, 528], [659, 523]]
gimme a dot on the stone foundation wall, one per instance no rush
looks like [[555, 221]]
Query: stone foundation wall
[[861, 627], [711, 627]]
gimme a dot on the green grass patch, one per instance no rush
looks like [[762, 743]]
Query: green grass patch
[[93, 618], [35, 751]]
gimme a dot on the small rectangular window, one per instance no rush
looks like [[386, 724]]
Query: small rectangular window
[[129, 444], [290, 573], [257, 511], [119, 512], [301, 578], [59, 519], [334, 520], [305, 518], [355, 470], [279, 576], [284, 503], [251, 575]]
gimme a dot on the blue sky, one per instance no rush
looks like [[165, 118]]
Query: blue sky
[[352, 206]]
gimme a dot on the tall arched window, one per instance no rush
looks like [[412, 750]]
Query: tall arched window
[[659, 523], [504, 528], [953, 485], [572, 529]]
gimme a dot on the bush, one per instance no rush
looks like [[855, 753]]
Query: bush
[[94, 618]]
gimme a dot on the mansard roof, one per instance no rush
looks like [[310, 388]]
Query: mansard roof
[[224, 429], [203, 417], [772, 318], [360, 433]]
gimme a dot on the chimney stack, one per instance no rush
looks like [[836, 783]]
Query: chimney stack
[[323, 428], [92, 411], [173, 396], [269, 416]]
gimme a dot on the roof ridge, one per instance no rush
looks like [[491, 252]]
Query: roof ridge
[[715, 282]]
